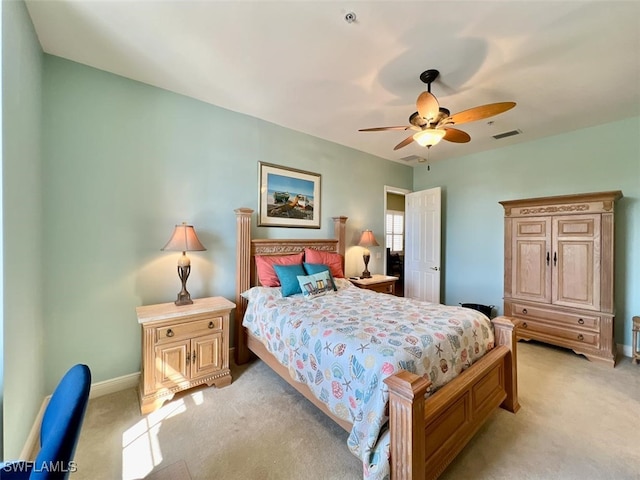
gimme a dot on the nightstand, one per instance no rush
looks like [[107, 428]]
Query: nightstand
[[377, 283], [183, 347]]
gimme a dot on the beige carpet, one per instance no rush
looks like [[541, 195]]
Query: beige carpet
[[175, 471], [579, 420]]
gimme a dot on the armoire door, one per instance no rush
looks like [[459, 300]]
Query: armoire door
[[531, 259], [576, 261]]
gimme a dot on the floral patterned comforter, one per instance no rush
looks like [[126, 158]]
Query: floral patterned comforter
[[344, 344]]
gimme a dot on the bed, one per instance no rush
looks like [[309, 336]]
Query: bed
[[422, 435]]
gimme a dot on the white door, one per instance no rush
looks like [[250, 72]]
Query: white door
[[422, 245]]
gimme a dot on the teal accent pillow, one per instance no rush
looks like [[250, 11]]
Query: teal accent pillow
[[288, 276], [316, 285], [312, 268]]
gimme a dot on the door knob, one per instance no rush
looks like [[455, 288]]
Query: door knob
[[434, 268]]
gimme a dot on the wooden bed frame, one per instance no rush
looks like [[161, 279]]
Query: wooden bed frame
[[426, 435]]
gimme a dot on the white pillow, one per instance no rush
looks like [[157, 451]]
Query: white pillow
[[316, 285], [256, 293]]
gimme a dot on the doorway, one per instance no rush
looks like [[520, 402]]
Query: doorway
[[394, 229]]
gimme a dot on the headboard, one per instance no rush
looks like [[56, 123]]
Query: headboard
[[246, 272]]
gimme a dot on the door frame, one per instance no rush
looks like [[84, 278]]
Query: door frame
[[397, 191]]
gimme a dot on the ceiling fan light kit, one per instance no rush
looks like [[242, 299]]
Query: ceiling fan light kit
[[433, 123], [430, 137]]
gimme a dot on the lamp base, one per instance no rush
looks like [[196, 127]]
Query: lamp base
[[366, 273], [184, 299]]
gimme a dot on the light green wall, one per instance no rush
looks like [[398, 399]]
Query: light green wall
[[22, 351], [124, 162], [589, 160]]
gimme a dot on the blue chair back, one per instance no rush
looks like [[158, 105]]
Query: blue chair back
[[61, 424]]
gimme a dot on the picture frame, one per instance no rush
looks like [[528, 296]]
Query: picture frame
[[288, 197]]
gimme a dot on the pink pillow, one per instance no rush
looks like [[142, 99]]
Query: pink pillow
[[266, 273], [331, 260]]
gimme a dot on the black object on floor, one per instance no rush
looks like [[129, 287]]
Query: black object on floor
[[486, 309]]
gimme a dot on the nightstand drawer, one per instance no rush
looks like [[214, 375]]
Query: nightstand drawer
[[383, 288], [199, 325], [376, 283]]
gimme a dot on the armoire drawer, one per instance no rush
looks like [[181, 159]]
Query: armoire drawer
[[563, 319], [572, 337]]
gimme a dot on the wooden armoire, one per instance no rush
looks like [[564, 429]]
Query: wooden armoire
[[559, 271]]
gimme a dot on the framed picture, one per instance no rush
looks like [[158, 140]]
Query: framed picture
[[288, 197]]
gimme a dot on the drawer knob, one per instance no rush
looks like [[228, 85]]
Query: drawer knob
[[170, 333], [581, 321], [211, 325], [524, 311], [524, 324], [580, 337]]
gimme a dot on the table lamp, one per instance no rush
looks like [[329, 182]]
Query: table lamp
[[367, 240], [184, 239]]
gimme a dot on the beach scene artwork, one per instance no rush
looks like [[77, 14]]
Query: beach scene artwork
[[289, 197]]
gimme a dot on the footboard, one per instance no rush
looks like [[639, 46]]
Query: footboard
[[426, 435]]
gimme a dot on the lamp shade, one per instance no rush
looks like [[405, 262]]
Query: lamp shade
[[429, 136], [184, 239], [368, 240]]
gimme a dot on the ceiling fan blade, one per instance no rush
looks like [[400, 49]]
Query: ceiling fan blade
[[483, 111], [404, 142], [382, 129], [456, 136], [428, 106]]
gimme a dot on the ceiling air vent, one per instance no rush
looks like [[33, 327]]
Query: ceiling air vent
[[507, 134], [413, 158]]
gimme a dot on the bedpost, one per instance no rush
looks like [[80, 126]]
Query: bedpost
[[505, 329], [407, 425], [339, 232], [243, 279]]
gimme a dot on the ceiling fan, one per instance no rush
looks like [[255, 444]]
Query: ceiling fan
[[433, 123]]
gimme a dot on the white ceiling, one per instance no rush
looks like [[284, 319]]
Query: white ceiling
[[300, 64]]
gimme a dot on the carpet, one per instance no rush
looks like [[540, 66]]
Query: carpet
[[175, 471]]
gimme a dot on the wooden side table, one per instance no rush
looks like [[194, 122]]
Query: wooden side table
[[377, 283], [182, 347], [634, 347]]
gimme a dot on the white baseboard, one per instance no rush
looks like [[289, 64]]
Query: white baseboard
[[114, 385], [32, 445]]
